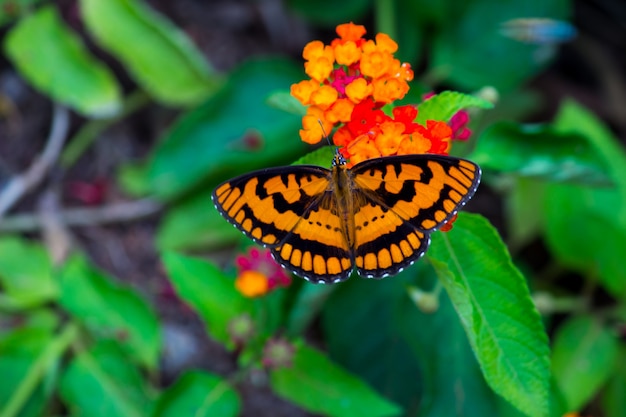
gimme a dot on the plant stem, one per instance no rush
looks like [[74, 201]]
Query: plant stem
[[85, 137], [35, 374], [384, 17]]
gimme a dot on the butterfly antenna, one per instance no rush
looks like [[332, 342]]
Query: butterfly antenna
[[324, 132]]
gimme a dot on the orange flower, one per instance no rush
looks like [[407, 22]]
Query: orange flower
[[324, 97], [347, 53], [259, 273], [389, 139], [350, 31], [312, 131], [302, 91], [252, 284], [358, 90], [352, 81], [340, 111], [356, 69]]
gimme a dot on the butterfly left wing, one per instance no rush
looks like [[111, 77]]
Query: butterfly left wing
[[403, 199], [266, 205], [292, 211]]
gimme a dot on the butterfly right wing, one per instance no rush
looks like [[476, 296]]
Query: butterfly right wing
[[403, 199], [266, 205]]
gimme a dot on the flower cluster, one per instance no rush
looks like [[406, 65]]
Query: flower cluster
[[258, 273], [348, 71], [351, 82], [371, 133]]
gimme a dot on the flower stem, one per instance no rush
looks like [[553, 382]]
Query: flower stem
[[44, 362], [385, 17]]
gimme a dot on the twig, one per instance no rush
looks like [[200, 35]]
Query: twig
[[21, 184], [114, 213]]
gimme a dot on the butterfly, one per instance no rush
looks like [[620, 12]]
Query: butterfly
[[376, 217]]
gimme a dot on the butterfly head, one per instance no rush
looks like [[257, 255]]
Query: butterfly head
[[338, 159]]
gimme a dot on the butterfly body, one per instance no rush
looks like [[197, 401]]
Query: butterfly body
[[376, 217]]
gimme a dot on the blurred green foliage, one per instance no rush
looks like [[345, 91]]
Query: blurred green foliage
[[71, 335]]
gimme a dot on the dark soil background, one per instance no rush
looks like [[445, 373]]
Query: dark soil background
[[591, 69]]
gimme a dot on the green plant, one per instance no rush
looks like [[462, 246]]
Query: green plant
[[458, 333]]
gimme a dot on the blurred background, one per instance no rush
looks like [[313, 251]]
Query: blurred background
[[117, 119]]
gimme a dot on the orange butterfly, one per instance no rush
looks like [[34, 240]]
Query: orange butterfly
[[376, 216]]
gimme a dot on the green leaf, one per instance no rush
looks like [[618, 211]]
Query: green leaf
[[539, 151], [209, 292], [199, 394], [583, 357], [158, 55], [445, 104], [284, 101], [316, 384], [19, 352], [321, 157], [330, 12], [613, 399], [230, 134], [595, 244], [25, 274], [55, 61], [102, 382], [411, 357], [195, 223], [307, 303], [493, 302], [470, 51], [523, 211], [110, 311]]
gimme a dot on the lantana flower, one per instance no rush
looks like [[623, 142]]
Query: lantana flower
[[345, 73], [258, 273]]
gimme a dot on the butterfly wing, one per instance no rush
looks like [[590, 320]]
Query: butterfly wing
[[292, 211], [317, 248], [266, 205], [401, 200]]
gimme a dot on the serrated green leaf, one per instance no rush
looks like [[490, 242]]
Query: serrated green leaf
[[199, 394], [158, 55], [445, 104], [110, 311], [232, 133], [539, 151], [102, 382], [56, 62], [316, 384], [209, 292], [494, 304], [583, 357], [25, 274]]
